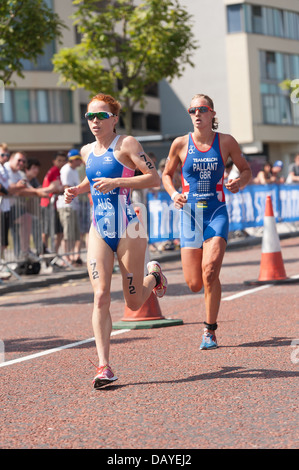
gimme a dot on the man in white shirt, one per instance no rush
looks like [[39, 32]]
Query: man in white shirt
[[293, 176], [4, 201], [18, 186], [69, 213]]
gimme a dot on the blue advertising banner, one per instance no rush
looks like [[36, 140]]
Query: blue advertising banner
[[245, 209]]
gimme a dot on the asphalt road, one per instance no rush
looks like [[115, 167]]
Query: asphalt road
[[170, 395]]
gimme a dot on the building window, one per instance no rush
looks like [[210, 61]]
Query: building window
[[6, 110], [138, 120], [152, 90], [153, 122], [257, 19], [234, 18], [37, 107], [276, 103], [43, 61], [278, 22], [22, 106], [262, 20]]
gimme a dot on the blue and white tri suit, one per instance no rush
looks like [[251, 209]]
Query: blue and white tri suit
[[204, 215], [112, 212]]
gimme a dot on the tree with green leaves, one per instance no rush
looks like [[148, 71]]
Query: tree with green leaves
[[126, 47], [26, 26]]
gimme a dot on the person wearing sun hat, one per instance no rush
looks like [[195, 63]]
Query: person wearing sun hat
[[276, 172], [69, 213], [74, 154]]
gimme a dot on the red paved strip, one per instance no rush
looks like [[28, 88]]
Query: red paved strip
[[169, 394]]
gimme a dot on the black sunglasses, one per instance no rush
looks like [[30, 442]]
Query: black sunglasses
[[101, 115], [5, 154]]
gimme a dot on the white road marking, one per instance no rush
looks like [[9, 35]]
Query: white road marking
[[252, 291], [118, 332], [54, 350], [246, 292]]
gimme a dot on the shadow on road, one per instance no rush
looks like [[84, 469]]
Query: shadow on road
[[224, 373]]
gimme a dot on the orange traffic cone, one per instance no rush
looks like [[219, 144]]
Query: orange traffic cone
[[149, 315], [150, 310], [271, 268]]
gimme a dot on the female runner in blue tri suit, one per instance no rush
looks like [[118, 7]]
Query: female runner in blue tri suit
[[110, 166], [202, 155]]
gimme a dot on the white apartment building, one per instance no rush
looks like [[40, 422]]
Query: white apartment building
[[41, 116], [246, 49]]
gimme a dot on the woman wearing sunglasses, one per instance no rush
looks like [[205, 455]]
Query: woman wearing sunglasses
[[111, 161], [203, 154]]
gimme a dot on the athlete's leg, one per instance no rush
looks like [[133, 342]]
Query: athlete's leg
[[100, 261], [192, 267], [131, 254], [213, 252]]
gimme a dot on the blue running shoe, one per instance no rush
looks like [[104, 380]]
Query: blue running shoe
[[209, 341]]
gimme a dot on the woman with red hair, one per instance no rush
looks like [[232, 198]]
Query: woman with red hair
[[111, 161]]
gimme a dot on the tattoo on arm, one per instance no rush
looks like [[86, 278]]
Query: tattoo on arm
[[132, 289], [148, 163]]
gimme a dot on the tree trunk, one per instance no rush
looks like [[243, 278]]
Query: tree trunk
[[128, 121]]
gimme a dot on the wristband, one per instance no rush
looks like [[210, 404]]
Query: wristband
[[174, 195]]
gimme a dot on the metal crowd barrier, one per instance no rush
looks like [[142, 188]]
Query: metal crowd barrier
[[31, 235]]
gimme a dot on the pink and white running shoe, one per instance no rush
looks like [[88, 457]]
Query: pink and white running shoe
[[103, 377], [160, 289]]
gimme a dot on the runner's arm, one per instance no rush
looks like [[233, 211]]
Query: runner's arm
[[137, 158], [172, 163]]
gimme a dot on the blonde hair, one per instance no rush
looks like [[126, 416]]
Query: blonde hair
[[210, 102], [4, 146]]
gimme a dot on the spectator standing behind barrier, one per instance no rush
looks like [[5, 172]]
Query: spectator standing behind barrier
[[293, 176], [276, 172], [32, 205], [160, 170], [204, 218], [4, 201], [50, 220], [265, 176], [31, 172], [69, 213], [18, 186]]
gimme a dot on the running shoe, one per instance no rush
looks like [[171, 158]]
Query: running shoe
[[209, 340], [103, 377], [154, 267]]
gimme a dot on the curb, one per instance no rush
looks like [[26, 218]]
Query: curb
[[41, 280]]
